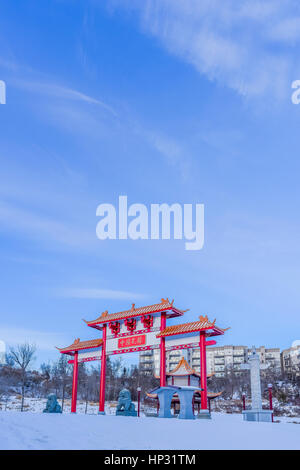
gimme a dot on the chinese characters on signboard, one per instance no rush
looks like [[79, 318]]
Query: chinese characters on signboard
[[132, 341]]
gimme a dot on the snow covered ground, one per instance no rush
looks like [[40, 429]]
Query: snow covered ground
[[90, 431], [37, 405]]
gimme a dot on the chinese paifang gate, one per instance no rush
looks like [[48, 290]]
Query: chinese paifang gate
[[140, 329]]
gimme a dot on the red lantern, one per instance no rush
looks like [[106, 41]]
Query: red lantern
[[147, 321], [130, 323], [114, 327]]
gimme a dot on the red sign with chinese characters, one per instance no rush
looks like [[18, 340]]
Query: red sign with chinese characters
[[132, 341]]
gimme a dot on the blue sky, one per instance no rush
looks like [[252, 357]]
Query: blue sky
[[163, 101]]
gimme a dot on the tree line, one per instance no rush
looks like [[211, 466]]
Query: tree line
[[17, 377]]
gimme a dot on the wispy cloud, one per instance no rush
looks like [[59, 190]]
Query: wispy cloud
[[234, 43], [86, 120], [42, 228], [287, 30], [52, 89], [44, 340], [28, 79], [109, 294], [86, 116]]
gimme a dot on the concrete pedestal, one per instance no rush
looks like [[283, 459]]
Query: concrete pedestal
[[258, 415], [185, 395], [126, 413], [186, 404], [204, 414], [165, 395]]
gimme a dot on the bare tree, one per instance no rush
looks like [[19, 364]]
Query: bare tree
[[21, 356], [46, 374], [85, 384], [64, 371]]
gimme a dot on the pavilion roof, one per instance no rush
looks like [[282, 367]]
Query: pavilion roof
[[202, 324], [183, 369], [77, 345], [214, 394], [164, 305]]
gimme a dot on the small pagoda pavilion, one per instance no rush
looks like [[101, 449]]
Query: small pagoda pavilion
[[184, 375]]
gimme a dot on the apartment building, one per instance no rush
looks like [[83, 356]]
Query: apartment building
[[271, 356], [231, 357], [219, 359], [290, 360]]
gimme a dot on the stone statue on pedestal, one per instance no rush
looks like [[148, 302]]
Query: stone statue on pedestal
[[52, 405], [125, 406], [256, 413]]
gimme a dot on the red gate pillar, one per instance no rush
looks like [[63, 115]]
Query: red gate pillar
[[103, 373], [163, 351], [203, 371], [74, 383]]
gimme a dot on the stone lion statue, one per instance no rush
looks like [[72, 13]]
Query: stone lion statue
[[52, 406], [125, 405]]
